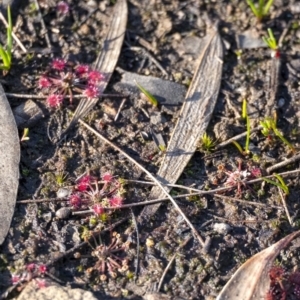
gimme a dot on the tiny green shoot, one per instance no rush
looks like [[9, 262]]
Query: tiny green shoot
[[6, 54], [162, 148], [269, 125], [238, 53], [244, 109], [207, 143], [260, 10], [60, 178], [248, 135], [246, 117], [281, 184], [25, 136], [149, 96], [270, 40], [239, 147]]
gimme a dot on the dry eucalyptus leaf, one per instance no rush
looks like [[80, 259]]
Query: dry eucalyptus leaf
[[194, 117], [108, 58], [251, 280], [9, 164]]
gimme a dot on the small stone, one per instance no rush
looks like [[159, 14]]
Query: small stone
[[281, 102], [221, 228], [92, 4], [63, 213], [63, 193], [149, 242], [84, 30]]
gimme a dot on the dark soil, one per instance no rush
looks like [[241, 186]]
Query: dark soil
[[173, 32]]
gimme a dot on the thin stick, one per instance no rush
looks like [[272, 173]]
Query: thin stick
[[284, 174], [197, 191], [201, 241], [165, 272], [244, 202], [13, 35], [27, 96], [284, 163], [43, 24], [150, 57], [119, 110], [237, 137], [170, 263], [285, 206], [149, 202], [40, 200], [137, 245]]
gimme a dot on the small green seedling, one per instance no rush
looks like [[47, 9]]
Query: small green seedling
[[238, 53], [25, 136], [61, 178], [269, 126], [149, 96], [246, 117], [270, 40], [261, 10], [207, 144], [6, 54], [281, 184], [162, 148]]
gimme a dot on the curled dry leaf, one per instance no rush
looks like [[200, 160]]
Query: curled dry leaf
[[194, 117], [251, 280], [108, 57]]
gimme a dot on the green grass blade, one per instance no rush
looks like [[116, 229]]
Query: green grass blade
[[267, 7], [150, 97], [235, 143], [261, 4], [244, 109], [253, 7], [276, 184], [248, 135], [4, 57], [9, 36], [280, 179], [284, 140]]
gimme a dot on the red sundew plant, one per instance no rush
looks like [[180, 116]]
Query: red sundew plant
[[88, 192], [239, 177], [32, 271], [64, 79], [62, 8], [283, 286], [111, 258]]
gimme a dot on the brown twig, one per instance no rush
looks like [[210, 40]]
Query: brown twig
[[170, 263], [245, 202], [119, 110], [237, 137], [197, 192], [150, 57], [28, 96], [45, 31], [137, 245], [284, 163], [40, 200], [285, 206]]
